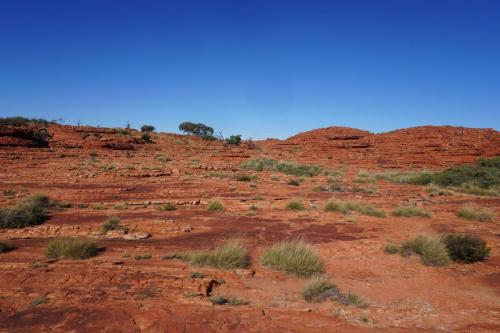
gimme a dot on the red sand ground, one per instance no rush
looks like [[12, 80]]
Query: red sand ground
[[115, 293]]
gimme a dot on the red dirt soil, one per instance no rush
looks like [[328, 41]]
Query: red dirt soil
[[102, 173]]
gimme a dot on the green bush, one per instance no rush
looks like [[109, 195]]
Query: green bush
[[318, 289], [112, 223], [244, 178], [410, 212], [21, 121], [349, 206], [391, 248], [201, 130], [5, 247], [293, 257], [146, 137], [466, 248], [30, 211], [474, 214], [433, 252], [147, 128], [215, 206], [234, 140], [232, 254], [295, 205], [71, 248], [268, 164]]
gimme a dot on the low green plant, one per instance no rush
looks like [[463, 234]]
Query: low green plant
[[143, 256], [112, 223], [349, 206], [294, 182], [234, 140], [318, 289], [474, 214], [197, 275], [71, 248], [215, 206], [289, 168], [357, 301], [231, 254], [408, 211], [295, 205], [466, 248], [27, 212], [391, 248], [244, 178], [39, 301], [293, 257], [432, 251]]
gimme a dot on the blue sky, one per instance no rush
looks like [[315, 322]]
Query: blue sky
[[257, 68]]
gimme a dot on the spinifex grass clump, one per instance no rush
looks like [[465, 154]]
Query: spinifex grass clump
[[481, 178], [432, 251], [466, 248], [293, 257], [289, 168], [231, 254], [295, 205], [215, 206], [112, 223], [166, 207], [474, 214], [30, 211], [318, 289], [408, 211], [349, 206], [71, 248]]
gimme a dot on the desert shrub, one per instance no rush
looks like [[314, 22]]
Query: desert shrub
[[433, 252], [318, 289], [349, 206], [244, 178], [474, 214], [435, 190], [5, 247], [234, 140], [199, 129], [355, 300], [268, 164], [293, 257], [408, 211], [122, 131], [71, 248], [295, 205], [232, 254], [21, 121], [146, 137], [294, 182], [112, 223], [233, 301], [168, 206], [466, 248], [143, 256], [215, 206], [197, 275], [391, 248], [27, 212], [147, 128]]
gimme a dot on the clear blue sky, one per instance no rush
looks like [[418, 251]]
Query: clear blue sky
[[258, 68]]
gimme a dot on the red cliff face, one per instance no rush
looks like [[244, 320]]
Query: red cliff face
[[418, 147]]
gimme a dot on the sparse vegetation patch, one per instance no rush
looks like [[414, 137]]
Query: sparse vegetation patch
[[466, 248], [432, 251], [30, 211], [289, 168], [474, 214], [71, 248], [295, 205], [349, 206], [232, 254], [293, 257]]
